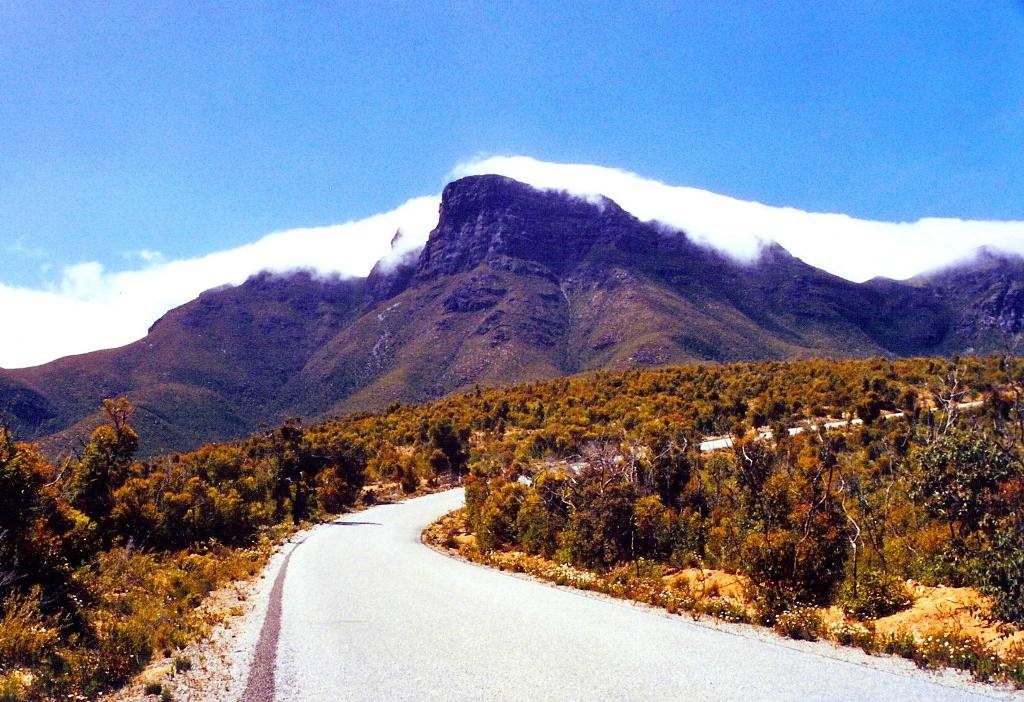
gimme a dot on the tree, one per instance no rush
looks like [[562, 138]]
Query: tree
[[497, 516], [454, 443], [332, 464], [1004, 569], [438, 463], [669, 471], [961, 473], [408, 480], [42, 538], [535, 527], [599, 532], [104, 464], [654, 527]]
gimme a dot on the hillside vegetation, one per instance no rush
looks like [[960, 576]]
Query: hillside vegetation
[[105, 556]]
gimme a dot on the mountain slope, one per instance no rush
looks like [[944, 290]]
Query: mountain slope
[[207, 370], [514, 284]]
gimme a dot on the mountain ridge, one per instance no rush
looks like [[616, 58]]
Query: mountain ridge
[[514, 284]]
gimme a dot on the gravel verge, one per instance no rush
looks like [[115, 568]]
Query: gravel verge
[[220, 663]]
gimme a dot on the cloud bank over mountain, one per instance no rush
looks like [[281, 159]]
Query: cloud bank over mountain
[[92, 308], [856, 249]]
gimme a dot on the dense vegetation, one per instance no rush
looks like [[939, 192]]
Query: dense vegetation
[[104, 559], [104, 556], [930, 486], [605, 468], [931, 494]]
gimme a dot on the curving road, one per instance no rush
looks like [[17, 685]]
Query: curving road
[[369, 613]]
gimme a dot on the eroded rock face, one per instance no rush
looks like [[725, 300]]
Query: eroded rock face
[[389, 278], [1000, 306], [485, 217]]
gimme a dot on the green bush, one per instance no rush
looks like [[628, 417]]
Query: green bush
[[1003, 572], [957, 651], [876, 595], [900, 643], [409, 481], [599, 533], [535, 527]]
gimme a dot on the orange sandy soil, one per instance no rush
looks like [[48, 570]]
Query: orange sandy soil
[[962, 610]]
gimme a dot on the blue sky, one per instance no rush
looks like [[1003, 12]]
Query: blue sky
[[186, 128], [149, 151]]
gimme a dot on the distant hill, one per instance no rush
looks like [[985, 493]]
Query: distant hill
[[514, 284]]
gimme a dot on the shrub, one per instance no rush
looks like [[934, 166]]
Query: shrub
[[801, 623], [877, 595], [599, 532], [1003, 573], [853, 634], [722, 609], [12, 688], [957, 651], [497, 517], [1013, 664], [900, 643], [789, 566], [535, 527], [26, 635], [961, 474], [655, 528], [409, 480]]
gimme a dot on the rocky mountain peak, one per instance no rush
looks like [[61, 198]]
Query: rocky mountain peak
[[485, 217]]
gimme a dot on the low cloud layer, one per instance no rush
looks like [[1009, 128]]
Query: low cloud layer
[[856, 249], [92, 308]]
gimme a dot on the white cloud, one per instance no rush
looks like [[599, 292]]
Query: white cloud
[[856, 249], [92, 308]]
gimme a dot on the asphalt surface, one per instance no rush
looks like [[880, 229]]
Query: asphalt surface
[[369, 613]]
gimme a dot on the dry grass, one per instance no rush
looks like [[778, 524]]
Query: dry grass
[[709, 584], [140, 606]]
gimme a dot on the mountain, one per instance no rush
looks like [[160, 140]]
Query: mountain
[[987, 296], [514, 284]]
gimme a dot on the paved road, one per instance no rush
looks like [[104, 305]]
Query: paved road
[[369, 613]]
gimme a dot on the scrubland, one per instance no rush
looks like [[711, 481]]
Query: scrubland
[[594, 480]]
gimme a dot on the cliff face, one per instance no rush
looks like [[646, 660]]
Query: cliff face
[[514, 284], [486, 217]]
